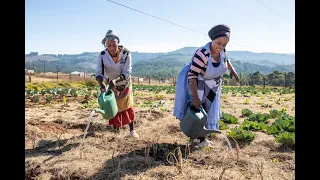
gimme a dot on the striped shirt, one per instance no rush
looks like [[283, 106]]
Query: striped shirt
[[199, 62]]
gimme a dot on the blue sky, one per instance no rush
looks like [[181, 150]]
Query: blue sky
[[73, 27]]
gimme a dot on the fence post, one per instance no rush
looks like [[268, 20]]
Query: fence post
[[138, 81], [29, 78], [149, 81], [264, 82]]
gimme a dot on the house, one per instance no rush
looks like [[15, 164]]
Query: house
[[76, 73], [134, 78], [90, 75], [28, 71]]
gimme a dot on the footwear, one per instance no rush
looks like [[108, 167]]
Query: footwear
[[133, 133], [194, 142], [205, 143], [116, 129]]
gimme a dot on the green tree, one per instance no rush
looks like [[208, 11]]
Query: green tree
[[290, 79], [255, 78], [276, 78]]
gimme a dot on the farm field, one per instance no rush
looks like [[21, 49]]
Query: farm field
[[56, 115]]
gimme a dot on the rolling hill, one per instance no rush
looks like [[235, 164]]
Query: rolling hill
[[160, 65]]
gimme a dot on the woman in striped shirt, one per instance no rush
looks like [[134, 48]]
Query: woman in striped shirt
[[202, 78]]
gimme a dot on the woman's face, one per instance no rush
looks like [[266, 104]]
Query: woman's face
[[219, 44], [112, 47]]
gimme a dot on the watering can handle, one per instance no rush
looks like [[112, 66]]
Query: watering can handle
[[193, 108], [106, 86], [189, 101]]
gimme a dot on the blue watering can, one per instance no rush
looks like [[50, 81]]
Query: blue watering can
[[194, 121]]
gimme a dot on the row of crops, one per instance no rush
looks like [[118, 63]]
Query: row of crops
[[255, 90], [58, 93], [283, 128], [225, 90], [50, 94]]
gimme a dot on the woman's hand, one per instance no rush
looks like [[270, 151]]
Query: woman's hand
[[102, 88], [234, 74], [196, 102]]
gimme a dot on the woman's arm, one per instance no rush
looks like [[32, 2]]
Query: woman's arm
[[197, 67], [232, 70], [100, 72]]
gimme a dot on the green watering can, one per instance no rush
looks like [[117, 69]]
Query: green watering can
[[193, 122], [108, 104]]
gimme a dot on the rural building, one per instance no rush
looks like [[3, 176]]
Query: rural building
[[28, 71], [76, 73], [81, 74], [136, 78]]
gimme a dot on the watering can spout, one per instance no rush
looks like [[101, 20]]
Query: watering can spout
[[203, 132]]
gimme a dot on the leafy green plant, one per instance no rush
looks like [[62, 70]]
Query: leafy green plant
[[260, 117], [266, 105], [276, 114], [165, 109], [153, 104], [246, 101], [35, 98], [91, 83], [284, 123], [159, 96], [254, 125], [240, 134], [228, 118], [222, 125], [286, 139], [246, 112], [49, 98]]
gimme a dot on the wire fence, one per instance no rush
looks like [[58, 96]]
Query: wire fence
[[60, 77]]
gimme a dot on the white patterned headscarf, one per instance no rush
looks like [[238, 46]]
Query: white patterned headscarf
[[110, 35]]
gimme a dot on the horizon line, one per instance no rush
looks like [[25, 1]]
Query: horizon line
[[290, 53]]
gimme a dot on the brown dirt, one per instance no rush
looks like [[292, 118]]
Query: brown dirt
[[55, 148]]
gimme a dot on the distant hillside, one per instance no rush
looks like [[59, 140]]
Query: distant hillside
[[164, 67], [159, 64], [246, 56], [168, 66], [137, 56]]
